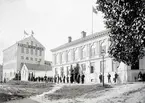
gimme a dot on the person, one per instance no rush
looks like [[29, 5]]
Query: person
[[100, 77], [109, 78], [67, 78], [64, 79], [140, 76], [83, 77], [116, 76]]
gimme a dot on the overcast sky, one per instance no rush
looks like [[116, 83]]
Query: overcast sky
[[51, 20]]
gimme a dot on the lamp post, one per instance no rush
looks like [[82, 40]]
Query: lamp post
[[103, 54]]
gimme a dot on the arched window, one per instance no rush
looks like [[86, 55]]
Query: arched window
[[63, 57], [93, 50], [76, 54], [57, 59], [69, 56], [84, 52]]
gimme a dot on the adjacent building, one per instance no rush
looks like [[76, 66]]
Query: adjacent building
[[28, 53], [86, 51]]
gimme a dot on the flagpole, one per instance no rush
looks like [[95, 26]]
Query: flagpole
[[92, 19]]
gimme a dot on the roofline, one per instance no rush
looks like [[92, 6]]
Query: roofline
[[9, 47], [77, 41]]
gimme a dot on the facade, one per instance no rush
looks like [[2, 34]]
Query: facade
[[28, 50], [1, 73], [86, 52]]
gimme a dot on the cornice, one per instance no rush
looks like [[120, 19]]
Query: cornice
[[81, 40]]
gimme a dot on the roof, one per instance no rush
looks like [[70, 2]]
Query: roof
[[38, 67], [89, 37], [23, 40]]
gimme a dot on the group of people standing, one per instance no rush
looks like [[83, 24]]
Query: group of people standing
[[109, 78], [69, 79]]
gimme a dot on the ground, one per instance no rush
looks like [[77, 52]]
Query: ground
[[18, 90], [92, 93]]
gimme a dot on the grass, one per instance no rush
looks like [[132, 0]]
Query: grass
[[18, 89], [74, 91]]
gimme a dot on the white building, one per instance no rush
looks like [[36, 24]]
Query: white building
[[86, 51], [26, 51], [1, 73]]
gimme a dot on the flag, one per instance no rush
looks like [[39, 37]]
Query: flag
[[94, 10], [25, 32]]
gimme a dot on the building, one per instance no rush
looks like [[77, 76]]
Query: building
[[27, 52], [86, 52], [1, 73]]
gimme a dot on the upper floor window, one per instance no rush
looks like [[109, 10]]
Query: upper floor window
[[84, 52], [40, 53], [22, 49], [32, 51], [93, 50], [76, 54], [32, 43], [27, 58], [57, 59], [69, 56], [36, 51], [32, 59], [63, 57], [22, 57], [27, 49]]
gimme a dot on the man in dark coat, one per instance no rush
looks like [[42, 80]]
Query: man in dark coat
[[83, 78], [116, 76], [100, 78], [109, 78]]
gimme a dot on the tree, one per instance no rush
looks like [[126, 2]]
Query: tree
[[126, 20]]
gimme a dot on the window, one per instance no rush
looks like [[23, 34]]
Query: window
[[22, 57], [40, 60], [35, 59], [69, 56], [115, 65], [101, 66], [27, 49], [22, 49], [92, 68], [32, 59], [63, 57], [57, 59], [32, 43], [62, 71], [36, 51], [93, 50], [76, 54], [27, 58], [40, 53], [84, 52], [83, 67], [32, 51]]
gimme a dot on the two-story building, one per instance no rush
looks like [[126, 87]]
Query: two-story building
[[86, 52]]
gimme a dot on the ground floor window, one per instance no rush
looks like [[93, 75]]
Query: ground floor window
[[92, 68]]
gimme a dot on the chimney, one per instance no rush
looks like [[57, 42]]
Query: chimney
[[69, 39], [83, 34]]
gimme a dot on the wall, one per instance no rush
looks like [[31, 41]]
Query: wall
[[9, 62]]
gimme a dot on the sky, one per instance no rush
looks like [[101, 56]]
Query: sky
[[51, 20]]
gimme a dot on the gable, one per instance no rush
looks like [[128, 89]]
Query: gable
[[31, 40]]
